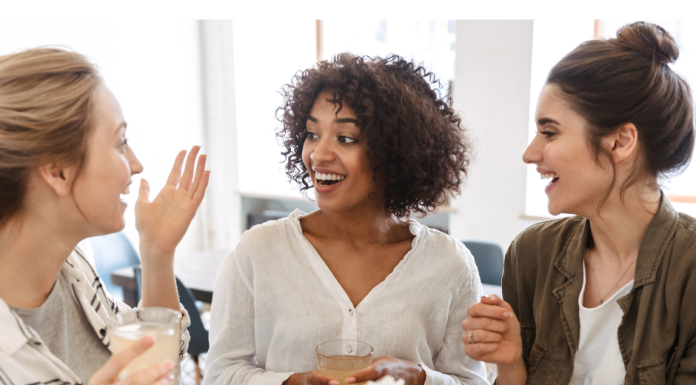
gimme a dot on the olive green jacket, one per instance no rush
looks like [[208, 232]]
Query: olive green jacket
[[542, 282]]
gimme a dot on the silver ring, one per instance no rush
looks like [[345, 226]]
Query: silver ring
[[471, 337]]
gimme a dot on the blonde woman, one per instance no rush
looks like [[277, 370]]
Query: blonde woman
[[64, 162]]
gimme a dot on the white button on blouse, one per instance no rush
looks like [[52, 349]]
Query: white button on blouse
[[275, 300]]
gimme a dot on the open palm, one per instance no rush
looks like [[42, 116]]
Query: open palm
[[163, 222]]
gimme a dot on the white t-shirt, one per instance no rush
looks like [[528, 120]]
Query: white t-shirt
[[276, 300], [598, 359]]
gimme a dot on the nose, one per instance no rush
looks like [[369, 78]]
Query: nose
[[135, 165], [534, 152], [323, 152]]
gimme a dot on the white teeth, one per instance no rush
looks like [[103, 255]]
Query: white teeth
[[549, 176], [321, 176], [126, 191]]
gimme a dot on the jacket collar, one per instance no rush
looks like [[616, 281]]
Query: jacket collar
[[652, 249], [570, 264]]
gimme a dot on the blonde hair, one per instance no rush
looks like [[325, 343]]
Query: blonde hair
[[46, 105]]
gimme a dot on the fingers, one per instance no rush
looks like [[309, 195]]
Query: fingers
[[200, 192], [370, 373], [489, 311], [199, 175], [117, 362], [175, 175], [316, 378], [157, 375], [475, 351], [187, 177], [481, 336], [144, 193]]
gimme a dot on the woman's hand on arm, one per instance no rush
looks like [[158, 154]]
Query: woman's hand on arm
[[156, 375], [497, 339], [411, 373], [162, 224]]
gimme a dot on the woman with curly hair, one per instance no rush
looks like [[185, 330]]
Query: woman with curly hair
[[376, 141]]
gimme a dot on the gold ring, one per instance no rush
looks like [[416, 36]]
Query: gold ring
[[471, 337]]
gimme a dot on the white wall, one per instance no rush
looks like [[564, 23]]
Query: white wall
[[492, 93]]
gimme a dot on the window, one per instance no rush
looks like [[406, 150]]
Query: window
[[152, 69], [552, 40]]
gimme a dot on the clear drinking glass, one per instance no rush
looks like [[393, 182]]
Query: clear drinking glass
[[128, 327], [340, 358]]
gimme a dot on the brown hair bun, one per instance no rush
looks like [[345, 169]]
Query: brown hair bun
[[649, 40]]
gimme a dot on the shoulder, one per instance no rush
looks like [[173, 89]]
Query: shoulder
[[266, 242], [552, 234], [444, 250], [271, 233], [687, 223]]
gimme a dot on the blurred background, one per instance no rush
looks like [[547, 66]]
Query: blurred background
[[216, 83]]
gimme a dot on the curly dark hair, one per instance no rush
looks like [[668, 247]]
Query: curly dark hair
[[414, 137]]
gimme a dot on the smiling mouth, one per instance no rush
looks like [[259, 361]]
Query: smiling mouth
[[552, 176], [328, 179]]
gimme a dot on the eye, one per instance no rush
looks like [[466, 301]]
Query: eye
[[547, 133], [346, 140], [124, 144], [312, 136]]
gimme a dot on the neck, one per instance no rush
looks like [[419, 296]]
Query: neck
[[619, 228], [367, 225], [32, 251]]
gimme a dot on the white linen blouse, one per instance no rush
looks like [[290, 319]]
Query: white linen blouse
[[275, 300]]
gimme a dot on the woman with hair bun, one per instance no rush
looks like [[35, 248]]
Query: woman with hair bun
[[64, 163], [606, 296], [377, 142]]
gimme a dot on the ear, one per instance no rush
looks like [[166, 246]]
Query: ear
[[622, 144], [59, 177]]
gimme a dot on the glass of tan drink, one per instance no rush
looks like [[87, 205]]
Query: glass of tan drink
[[340, 358], [128, 327]]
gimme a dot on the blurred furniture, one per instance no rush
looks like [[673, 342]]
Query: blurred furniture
[[196, 271], [198, 344], [114, 251], [489, 260]]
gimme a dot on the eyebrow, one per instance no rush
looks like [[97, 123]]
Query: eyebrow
[[120, 126], [339, 120], [544, 121]]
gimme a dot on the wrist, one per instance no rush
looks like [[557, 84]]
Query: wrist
[[512, 370]]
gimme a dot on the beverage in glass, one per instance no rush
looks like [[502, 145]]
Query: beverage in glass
[[128, 327], [339, 359]]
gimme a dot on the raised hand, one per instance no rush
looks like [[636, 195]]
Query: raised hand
[[163, 222], [156, 375]]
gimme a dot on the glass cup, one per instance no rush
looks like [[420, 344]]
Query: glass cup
[[130, 326], [340, 358]]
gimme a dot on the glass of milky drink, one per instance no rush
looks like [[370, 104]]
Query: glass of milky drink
[[130, 326], [340, 358]]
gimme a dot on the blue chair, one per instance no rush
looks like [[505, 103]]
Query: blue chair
[[489, 258], [111, 252]]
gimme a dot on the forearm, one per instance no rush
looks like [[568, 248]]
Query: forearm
[[159, 283]]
